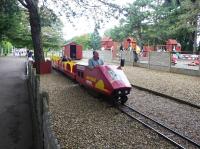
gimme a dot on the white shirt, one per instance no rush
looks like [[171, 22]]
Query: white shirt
[[122, 54]]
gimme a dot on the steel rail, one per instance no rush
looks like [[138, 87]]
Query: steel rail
[[128, 110]]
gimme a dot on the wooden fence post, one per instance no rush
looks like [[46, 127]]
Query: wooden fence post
[[170, 61], [149, 59]]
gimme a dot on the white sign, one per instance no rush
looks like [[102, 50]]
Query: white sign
[[80, 67]]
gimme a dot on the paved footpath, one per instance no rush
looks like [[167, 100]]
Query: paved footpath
[[15, 114]]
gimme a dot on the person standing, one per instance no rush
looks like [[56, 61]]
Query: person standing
[[135, 55], [122, 56], [30, 55]]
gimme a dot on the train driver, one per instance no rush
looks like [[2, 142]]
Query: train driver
[[95, 60]]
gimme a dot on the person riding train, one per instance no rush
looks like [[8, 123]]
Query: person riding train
[[65, 58], [95, 60]]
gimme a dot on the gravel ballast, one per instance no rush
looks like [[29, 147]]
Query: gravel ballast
[[179, 117], [82, 121], [184, 87]]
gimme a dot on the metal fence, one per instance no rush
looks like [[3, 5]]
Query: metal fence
[[166, 61]]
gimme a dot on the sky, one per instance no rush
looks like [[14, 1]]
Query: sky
[[83, 26]]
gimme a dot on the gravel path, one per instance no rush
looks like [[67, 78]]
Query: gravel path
[[81, 121], [182, 118], [184, 87]]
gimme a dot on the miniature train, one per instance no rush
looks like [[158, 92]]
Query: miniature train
[[105, 79]]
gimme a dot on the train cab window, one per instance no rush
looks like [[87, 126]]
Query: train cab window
[[113, 75]]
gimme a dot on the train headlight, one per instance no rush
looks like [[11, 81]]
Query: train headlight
[[119, 92], [126, 92]]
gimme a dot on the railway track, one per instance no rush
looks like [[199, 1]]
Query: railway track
[[166, 96], [174, 137]]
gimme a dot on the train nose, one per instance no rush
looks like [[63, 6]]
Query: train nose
[[122, 92], [120, 95]]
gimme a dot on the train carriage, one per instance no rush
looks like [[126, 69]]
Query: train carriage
[[67, 67]]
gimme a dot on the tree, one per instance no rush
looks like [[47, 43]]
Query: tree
[[84, 40], [95, 39], [20, 37], [5, 47], [137, 17], [180, 21], [163, 17], [13, 26], [188, 20], [51, 29], [9, 18], [51, 38], [118, 34]]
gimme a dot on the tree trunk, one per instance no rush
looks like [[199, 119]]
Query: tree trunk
[[34, 19], [140, 35], [190, 46], [36, 34], [168, 2], [195, 42], [195, 24]]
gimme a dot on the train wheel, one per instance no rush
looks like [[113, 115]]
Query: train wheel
[[124, 99], [116, 101], [93, 93]]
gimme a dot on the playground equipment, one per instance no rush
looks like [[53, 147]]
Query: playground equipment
[[170, 46], [173, 45], [129, 42], [195, 62]]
